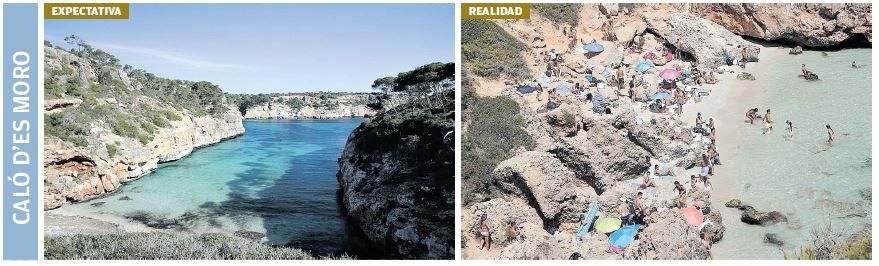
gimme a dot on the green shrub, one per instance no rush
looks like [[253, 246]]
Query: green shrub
[[56, 124], [53, 90], [559, 13], [494, 129], [111, 149], [489, 51], [149, 128], [164, 246], [171, 115]]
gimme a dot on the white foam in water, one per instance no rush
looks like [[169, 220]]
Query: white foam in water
[[803, 176]]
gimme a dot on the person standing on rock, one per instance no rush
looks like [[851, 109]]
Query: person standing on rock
[[484, 232], [624, 211], [678, 49], [682, 193]]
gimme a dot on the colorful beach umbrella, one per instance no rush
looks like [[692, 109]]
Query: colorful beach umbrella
[[660, 96], [608, 224], [693, 216], [669, 73], [526, 89], [643, 66], [593, 47], [624, 236]]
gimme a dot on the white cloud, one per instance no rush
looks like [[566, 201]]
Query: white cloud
[[181, 60]]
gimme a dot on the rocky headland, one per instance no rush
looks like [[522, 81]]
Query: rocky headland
[[105, 124], [397, 172], [308, 106]]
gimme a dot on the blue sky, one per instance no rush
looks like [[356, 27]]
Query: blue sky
[[259, 48]]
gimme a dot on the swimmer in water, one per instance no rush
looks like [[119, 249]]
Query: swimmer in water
[[790, 129], [855, 65], [829, 135], [767, 122]]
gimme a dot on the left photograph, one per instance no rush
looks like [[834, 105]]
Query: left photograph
[[251, 131]]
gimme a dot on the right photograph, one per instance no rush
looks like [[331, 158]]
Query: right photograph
[[668, 132]]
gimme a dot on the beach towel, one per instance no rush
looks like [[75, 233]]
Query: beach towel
[[548, 107], [588, 218], [608, 224], [624, 236], [693, 216], [526, 89]]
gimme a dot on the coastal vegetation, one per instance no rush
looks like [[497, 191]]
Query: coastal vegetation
[[324, 100], [827, 243], [135, 107], [164, 246], [426, 86], [560, 12], [491, 52], [494, 129]]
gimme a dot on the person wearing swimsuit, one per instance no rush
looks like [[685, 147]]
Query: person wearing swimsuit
[[484, 232]]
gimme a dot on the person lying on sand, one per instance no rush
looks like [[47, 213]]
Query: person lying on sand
[[751, 115], [829, 135], [767, 122], [660, 172]]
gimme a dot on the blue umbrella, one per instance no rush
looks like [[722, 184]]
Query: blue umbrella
[[563, 88], [643, 66], [624, 236], [660, 96], [593, 47]]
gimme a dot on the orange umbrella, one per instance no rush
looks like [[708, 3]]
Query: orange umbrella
[[694, 216]]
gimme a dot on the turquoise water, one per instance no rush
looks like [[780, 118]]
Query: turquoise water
[[278, 179], [798, 177]]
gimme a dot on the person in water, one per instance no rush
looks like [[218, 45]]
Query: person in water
[[751, 115], [647, 181], [804, 70], [829, 135], [790, 129], [767, 122], [484, 232], [855, 65]]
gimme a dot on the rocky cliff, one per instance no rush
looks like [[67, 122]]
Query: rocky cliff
[[816, 25], [327, 106], [397, 180], [106, 124]]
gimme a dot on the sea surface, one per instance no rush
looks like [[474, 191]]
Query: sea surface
[[816, 185], [279, 179]]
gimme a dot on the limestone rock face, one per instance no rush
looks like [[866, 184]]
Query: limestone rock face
[[308, 107], [704, 40], [824, 24], [397, 184], [77, 173]]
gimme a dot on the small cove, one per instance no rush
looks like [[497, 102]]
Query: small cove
[[278, 179]]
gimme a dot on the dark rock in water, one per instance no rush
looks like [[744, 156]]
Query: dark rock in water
[[868, 162], [734, 203], [773, 239], [124, 198], [867, 193], [98, 204], [137, 189], [753, 216], [255, 236], [796, 50]]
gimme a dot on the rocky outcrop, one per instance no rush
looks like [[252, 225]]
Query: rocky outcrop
[[704, 40], [104, 160], [309, 107], [397, 182], [814, 25], [750, 215]]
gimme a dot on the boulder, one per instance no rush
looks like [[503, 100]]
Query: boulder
[[796, 50], [773, 239], [704, 40], [750, 215]]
